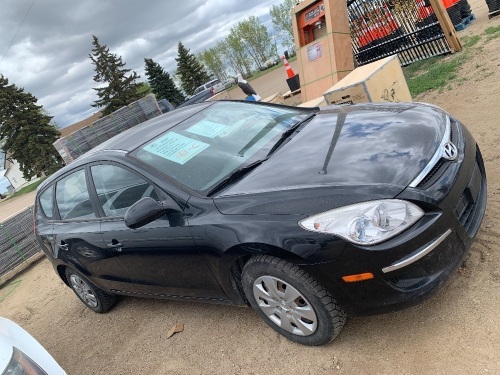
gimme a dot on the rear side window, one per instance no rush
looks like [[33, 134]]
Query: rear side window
[[72, 197], [47, 203], [118, 189]]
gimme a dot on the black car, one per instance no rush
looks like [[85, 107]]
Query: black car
[[307, 215]]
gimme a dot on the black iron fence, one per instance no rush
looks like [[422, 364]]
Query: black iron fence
[[380, 28], [17, 241]]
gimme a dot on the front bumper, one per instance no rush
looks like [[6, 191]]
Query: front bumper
[[412, 266]]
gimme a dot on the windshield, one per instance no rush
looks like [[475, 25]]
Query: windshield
[[208, 147]]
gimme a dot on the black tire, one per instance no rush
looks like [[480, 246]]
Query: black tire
[[322, 326], [91, 296]]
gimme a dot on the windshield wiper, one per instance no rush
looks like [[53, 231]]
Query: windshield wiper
[[288, 132], [238, 173]]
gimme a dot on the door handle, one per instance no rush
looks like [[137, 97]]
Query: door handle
[[63, 246], [115, 245]]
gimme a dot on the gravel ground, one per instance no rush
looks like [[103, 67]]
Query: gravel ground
[[455, 332]]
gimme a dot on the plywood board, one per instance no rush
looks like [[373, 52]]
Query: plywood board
[[318, 102], [348, 95], [380, 81], [276, 98]]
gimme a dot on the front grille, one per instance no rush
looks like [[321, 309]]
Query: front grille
[[442, 164], [434, 174], [469, 208]]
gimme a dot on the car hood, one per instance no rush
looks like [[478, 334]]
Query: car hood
[[361, 152]]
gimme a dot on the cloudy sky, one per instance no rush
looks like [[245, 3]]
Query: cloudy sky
[[49, 55]]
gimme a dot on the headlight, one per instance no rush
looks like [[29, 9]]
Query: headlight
[[366, 223], [21, 364]]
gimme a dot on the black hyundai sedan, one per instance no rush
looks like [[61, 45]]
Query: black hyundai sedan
[[307, 215]]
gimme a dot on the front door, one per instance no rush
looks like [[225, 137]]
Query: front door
[[161, 258]]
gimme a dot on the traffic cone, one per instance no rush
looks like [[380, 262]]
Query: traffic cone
[[289, 70]]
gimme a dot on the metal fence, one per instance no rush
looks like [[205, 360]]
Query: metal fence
[[83, 140], [17, 241], [380, 28]]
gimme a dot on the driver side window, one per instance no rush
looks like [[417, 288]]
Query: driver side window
[[118, 189]]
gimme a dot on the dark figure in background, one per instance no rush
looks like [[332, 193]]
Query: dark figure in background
[[247, 89]]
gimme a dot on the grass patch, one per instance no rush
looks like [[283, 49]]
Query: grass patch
[[492, 32], [259, 73], [420, 66], [470, 41], [432, 74], [27, 189]]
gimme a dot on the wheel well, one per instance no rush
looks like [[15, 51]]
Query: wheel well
[[235, 273], [246, 252], [61, 270]]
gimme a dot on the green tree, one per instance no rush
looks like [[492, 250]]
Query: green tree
[[109, 68], [189, 70], [144, 89], [256, 39], [213, 61], [234, 50], [27, 132], [162, 84], [281, 17]]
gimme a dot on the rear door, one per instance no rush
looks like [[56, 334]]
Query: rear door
[[77, 239], [44, 219], [160, 258]]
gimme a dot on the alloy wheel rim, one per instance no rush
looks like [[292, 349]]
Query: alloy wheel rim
[[285, 306], [84, 291]]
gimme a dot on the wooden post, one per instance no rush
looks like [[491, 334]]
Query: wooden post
[[447, 26]]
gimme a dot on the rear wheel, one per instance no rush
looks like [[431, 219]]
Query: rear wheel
[[291, 301], [93, 297]]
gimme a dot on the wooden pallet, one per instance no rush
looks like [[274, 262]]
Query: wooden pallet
[[465, 22], [494, 14]]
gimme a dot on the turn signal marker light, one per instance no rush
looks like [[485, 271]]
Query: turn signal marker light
[[358, 277]]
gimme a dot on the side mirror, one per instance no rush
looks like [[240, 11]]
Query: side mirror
[[146, 210]]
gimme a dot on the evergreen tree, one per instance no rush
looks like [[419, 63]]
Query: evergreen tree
[[121, 90], [162, 84], [190, 72], [27, 132]]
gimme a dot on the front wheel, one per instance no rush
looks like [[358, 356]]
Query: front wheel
[[291, 301], [93, 297]]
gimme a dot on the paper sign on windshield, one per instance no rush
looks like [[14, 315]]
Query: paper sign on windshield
[[207, 128], [176, 147]]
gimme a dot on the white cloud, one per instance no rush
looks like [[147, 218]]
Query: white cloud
[[49, 56]]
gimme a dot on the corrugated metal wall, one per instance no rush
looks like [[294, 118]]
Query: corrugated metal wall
[[17, 240]]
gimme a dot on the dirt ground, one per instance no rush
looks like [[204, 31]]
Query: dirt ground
[[12, 206], [455, 332]]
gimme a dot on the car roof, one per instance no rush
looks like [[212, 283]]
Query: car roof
[[132, 138]]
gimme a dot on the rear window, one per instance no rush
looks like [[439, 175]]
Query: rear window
[[72, 196], [206, 148], [199, 89], [47, 203]]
